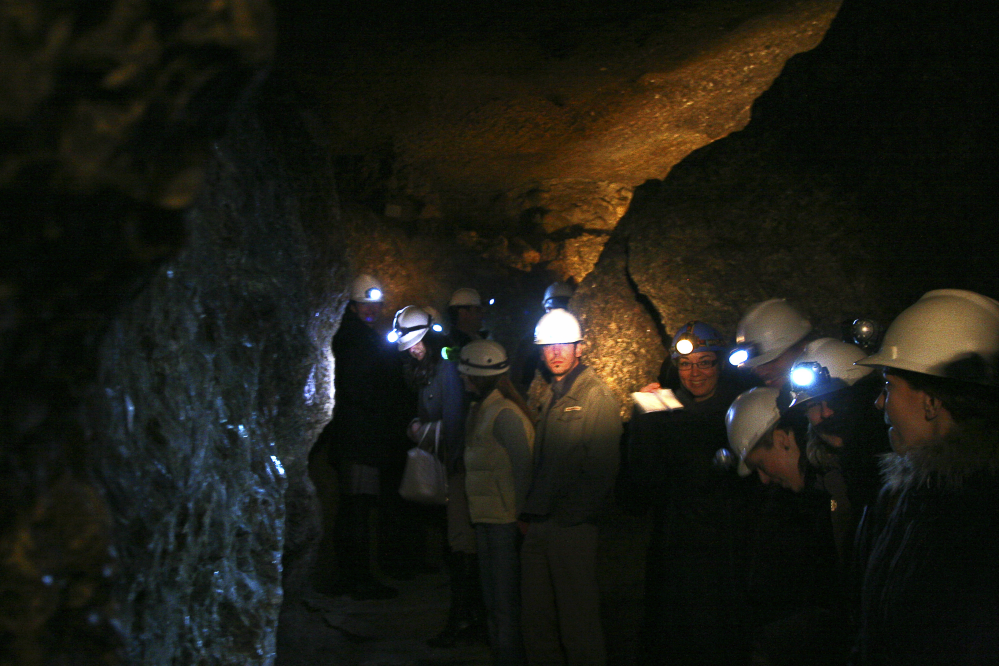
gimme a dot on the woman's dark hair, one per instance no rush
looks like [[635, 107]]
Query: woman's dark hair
[[796, 422], [964, 400], [424, 369]]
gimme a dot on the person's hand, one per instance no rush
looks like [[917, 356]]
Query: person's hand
[[650, 388], [413, 430]]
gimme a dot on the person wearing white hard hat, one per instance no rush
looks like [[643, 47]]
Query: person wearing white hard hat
[[363, 434], [527, 360], [764, 444], [770, 336], [465, 312], [846, 434], [498, 442], [795, 586], [441, 413], [576, 456], [931, 579]]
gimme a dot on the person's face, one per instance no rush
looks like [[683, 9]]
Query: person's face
[[775, 373], [905, 411], [369, 313], [561, 358], [470, 318], [418, 351], [701, 382], [779, 463], [820, 413]]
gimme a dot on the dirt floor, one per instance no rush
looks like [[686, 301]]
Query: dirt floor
[[338, 630]]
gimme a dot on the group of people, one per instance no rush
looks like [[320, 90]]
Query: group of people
[[810, 503], [871, 539]]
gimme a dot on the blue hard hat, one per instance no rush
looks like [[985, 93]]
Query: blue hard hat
[[699, 337]]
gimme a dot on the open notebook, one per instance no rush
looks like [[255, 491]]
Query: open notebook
[[660, 400]]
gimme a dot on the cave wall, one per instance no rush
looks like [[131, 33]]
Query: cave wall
[[864, 178], [165, 368], [213, 386]]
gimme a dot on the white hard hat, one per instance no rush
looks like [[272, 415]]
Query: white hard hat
[[556, 290], [409, 326], [464, 296], [766, 331], [483, 358], [941, 328], [751, 415], [366, 289], [826, 365], [557, 327]]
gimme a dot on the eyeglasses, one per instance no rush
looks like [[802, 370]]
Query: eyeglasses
[[703, 364]]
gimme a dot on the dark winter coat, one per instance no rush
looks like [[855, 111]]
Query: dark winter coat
[[931, 582], [443, 398], [372, 403], [695, 608]]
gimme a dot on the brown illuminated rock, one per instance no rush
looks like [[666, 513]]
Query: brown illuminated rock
[[551, 111], [859, 184]]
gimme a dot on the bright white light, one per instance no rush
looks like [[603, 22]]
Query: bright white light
[[803, 376], [684, 347], [438, 328], [375, 294], [492, 301], [738, 357], [392, 336]]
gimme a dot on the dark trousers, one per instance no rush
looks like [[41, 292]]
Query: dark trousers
[[560, 616], [499, 568]]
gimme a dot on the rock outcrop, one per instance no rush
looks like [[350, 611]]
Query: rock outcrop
[[860, 182], [214, 384]]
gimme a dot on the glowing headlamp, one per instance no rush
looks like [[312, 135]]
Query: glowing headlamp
[[684, 346], [393, 336], [743, 353], [437, 328], [809, 374], [373, 294], [738, 357], [492, 301]]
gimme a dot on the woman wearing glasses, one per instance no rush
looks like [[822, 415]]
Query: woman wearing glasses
[[694, 571]]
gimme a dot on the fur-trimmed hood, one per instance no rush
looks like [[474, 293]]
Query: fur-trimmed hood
[[971, 449]]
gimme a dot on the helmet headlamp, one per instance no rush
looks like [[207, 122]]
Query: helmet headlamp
[[809, 374], [744, 353], [866, 333], [696, 336], [373, 294]]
